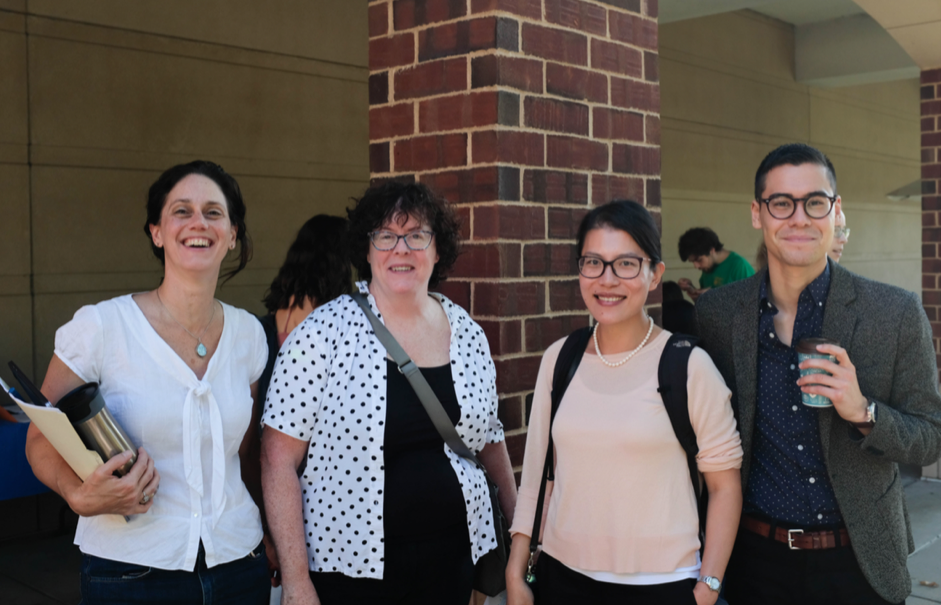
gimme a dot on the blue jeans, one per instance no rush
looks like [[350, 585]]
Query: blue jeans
[[243, 581]]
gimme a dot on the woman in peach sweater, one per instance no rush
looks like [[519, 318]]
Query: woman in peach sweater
[[621, 524]]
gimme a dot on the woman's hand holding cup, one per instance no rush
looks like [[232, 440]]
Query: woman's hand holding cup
[[103, 493]]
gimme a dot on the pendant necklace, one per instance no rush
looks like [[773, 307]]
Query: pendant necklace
[[594, 334], [200, 347]]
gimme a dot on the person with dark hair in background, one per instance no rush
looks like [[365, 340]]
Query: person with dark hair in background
[[701, 246], [679, 315], [316, 270], [824, 519], [621, 522], [384, 511], [179, 371]]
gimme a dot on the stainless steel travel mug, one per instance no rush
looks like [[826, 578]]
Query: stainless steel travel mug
[[99, 431]]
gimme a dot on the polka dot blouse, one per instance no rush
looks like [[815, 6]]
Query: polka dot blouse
[[329, 388]]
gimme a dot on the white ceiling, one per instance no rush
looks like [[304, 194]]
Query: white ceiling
[[797, 12], [804, 12], [837, 42]]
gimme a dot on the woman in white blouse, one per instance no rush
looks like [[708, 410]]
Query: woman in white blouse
[[384, 511], [178, 370]]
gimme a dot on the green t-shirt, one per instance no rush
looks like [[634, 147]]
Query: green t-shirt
[[732, 269]]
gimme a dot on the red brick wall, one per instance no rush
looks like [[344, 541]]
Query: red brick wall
[[931, 199], [524, 113]]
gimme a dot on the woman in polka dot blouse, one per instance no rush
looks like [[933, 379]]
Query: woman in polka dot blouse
[[621, 523], [384, 511]]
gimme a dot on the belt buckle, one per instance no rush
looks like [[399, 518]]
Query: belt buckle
[[790, 538]]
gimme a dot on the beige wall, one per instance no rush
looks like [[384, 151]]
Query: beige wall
[[99, 97], [729, 97]]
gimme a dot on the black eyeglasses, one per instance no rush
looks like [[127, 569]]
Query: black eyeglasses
[[415, 240], [783, 206], [625, 267]]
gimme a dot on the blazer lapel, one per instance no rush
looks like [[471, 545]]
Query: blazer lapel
[[745, 357], [839, 324]]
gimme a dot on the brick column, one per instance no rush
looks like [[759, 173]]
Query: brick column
[[524, 113], [930, 201], [931, 210]]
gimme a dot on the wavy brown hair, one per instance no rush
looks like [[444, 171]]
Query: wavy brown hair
[[316, 267]]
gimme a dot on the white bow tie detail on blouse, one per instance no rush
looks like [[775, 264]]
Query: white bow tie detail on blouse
[[200, 396]]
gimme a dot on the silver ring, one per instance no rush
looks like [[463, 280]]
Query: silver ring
[[145, 499]]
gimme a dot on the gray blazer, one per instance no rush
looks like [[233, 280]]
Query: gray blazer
[[889, 340]]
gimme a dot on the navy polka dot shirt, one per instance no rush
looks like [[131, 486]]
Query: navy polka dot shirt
[[789, 480]]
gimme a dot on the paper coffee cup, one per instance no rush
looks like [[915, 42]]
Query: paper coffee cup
[[807, 349]]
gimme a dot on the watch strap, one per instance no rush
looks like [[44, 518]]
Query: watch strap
[[870, 417]]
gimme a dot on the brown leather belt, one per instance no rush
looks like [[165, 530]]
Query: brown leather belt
[[797, 539]]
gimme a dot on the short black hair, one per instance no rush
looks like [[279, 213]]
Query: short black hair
[[157, 198], [792, 154], [317, 266], [381, 203], [698, 241], [627, 216]]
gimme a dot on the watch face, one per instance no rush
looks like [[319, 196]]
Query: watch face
[[713, 583]]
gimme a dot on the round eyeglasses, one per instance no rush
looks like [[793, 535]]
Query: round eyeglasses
[[625, 267], [783, 206], [415, 240], [841, 232]]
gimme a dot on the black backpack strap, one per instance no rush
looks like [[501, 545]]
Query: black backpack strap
[[565, 365], [672, 376]]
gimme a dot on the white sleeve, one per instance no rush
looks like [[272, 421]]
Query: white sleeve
[[80, 344], [260, 348]]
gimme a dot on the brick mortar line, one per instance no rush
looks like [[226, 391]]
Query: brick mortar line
[[511, 55], [520, 19], [526, 129], [521, 55], [475, 129], [502, 52], [607, 172], [521, 93]]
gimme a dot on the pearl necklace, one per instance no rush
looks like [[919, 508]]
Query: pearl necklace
[[594, 334]]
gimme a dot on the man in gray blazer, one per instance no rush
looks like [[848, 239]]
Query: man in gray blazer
[[824, 517]]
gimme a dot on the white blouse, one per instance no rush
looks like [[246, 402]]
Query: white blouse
[[329, 388], [191, 428]]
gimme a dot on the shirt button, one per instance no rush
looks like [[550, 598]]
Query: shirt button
[[800, 448], [794, 407], [792, 366], [771, 335], [819, 304], [812, 480], [195, 514], [819, 516]]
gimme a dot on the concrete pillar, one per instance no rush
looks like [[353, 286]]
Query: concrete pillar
[[931, 209], [524, 113]]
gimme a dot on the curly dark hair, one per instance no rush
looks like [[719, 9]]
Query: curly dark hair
[[393, 199], [316, 266], [157, 198]]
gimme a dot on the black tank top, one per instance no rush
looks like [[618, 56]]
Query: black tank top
[[422, 492]]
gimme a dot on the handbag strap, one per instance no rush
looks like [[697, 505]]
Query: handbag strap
[[411, 371], [570, 356]]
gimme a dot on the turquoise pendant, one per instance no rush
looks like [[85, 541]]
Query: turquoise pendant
[[201, 350]]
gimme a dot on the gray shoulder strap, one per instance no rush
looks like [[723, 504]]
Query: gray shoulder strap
[[408, 367]]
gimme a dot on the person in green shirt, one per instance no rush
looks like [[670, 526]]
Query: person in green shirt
[[701, 246]]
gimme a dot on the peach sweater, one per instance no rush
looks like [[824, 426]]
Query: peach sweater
[[622, 500]]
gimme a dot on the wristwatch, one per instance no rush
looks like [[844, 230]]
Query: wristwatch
[[714, 584], [870, 417]]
